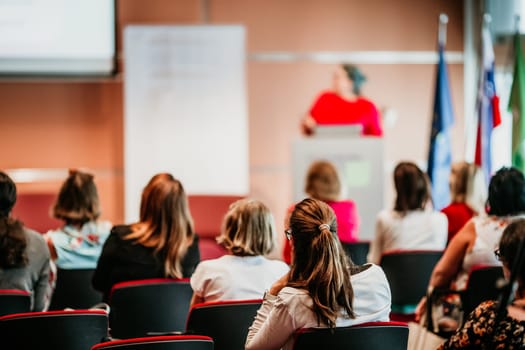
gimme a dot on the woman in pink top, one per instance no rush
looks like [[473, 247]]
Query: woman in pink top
[[322, 183]]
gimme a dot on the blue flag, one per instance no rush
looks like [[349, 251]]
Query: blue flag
[[440, 154]]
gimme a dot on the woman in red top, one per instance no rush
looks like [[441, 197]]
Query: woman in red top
[[468, 192], [344, 105]]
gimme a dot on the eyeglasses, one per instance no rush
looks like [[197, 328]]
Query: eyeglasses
[[288, 233], [497, 253]]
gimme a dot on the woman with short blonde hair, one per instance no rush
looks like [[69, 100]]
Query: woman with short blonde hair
[[248, 233], [322, 181]]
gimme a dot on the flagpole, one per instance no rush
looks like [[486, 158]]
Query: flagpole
[[487, 19], [442, 33], [440, 153]]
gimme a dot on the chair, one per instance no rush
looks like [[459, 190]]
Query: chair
[[408, 273], [357, 251], [482, 285], [143, 307], [32, 208], [74, 290], [227, 322], [14, 301], [366, 336], [173, 342], [54, 330], [207, 212]]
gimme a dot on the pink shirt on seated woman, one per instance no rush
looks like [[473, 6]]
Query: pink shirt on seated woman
[[322, 183]]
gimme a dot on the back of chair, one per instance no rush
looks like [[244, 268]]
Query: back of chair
[[408, 273], [139, 308], [482, 285], [74, 290], [14, 301], [367, 336], [357, 251], [172, 342], [226, 322], [207, 212], [54, 330]]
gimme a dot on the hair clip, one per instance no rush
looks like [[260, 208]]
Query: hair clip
[[324, 226]]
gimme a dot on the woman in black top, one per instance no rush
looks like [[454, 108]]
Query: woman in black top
[[161, 244]]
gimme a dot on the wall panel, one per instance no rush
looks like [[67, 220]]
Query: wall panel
[[61, 124]]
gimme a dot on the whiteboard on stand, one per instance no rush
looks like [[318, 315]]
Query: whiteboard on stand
[[185, 109]]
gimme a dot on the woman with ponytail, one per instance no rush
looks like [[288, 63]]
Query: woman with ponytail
[[24, 257], [323, 288], [161, 244]]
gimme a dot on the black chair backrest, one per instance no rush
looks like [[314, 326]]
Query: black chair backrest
[[74, 290], [227, 322], [145, 307], [54, 330], [482, 285], [172, 342], [14, 301], [368, 336], [357, 251], [408, 273]]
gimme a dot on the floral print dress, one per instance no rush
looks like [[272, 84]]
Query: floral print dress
[[478, 331]]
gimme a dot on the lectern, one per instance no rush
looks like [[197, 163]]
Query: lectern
[[360, 164]]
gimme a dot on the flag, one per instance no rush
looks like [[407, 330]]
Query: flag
[[517, 104], [487, 106], [440, 153]]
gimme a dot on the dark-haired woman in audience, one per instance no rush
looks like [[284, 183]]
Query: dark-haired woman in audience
[[24, 257], [323, 288], [161, 244], [468, 196], [323, 183], [480, 330], [248, 233], [411, 224], [474, 244], [77, 244]]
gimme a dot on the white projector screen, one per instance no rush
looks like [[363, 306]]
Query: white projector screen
[[57, 37], [185, 109]]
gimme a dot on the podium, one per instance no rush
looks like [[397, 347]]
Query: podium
[[359, 161]]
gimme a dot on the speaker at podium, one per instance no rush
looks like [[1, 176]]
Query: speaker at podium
[[359, 161]]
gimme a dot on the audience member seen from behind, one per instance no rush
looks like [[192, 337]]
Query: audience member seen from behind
[[24, 257], [162, 244], [468, 196], [411, 224], [248, 233], [344, 104], [323, 288], [480, 330], [323, 183], [474, 244], [77, 244]]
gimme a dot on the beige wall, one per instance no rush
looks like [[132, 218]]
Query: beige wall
[[60, 124]]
